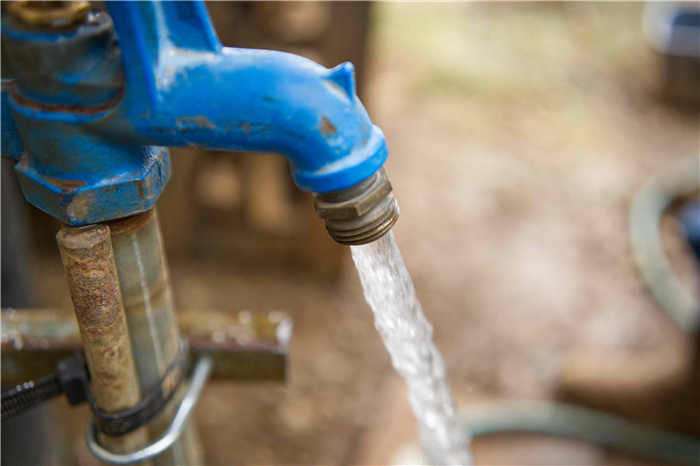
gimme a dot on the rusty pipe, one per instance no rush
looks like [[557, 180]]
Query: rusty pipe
[[88, 260]]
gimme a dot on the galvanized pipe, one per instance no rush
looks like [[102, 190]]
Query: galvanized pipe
[[145, 286], [94, 287]]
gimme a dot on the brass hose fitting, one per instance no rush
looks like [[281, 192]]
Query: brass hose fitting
[[50, 14], [361, 213]]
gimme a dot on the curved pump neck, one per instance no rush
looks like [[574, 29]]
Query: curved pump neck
[[183, 88], [258, 100], [178, 86]]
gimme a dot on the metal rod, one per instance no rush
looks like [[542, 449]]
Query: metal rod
[[199, 378], [94, 287], [145, 287]]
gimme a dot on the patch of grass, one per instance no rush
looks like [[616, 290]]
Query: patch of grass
[[505, 52]]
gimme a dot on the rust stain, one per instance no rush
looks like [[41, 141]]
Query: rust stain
[[8, 85], [327, 128], [78, 204], [199, 121], [139, 184], [130, 224], [79, 109], [246, 128], [92, 279], [203, 121], [88, 260], [65, 184]]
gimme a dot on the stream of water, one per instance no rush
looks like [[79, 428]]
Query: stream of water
[[408, 337]]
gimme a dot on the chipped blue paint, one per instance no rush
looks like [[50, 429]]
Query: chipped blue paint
[[178, 86]]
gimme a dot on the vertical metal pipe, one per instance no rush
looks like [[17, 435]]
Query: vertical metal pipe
[[94, 287], [145, 286]]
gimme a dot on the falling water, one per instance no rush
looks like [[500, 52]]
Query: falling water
[[408, 337]]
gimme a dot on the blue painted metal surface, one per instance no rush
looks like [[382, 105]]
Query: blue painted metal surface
[[11, 141], [690, 219], [91, 160]]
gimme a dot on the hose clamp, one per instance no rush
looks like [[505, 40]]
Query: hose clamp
[[200, 374], [116, 424]]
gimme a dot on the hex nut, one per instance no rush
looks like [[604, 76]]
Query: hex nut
[[357, 200]]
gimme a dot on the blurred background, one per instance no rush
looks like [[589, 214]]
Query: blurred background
[[518, 134]]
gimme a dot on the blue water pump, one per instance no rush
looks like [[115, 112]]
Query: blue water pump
[[94, 103]]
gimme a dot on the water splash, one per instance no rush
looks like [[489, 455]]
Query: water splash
[[408, 337]]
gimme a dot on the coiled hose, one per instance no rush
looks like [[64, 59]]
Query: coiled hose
[[681, 179], [581, 424]]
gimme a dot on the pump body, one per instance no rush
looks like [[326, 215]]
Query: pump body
[[92, 107]]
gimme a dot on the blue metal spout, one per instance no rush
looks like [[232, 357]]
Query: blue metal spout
[[85, 160], [185, 89]]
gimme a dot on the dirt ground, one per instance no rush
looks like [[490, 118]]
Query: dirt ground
[[518, 134]]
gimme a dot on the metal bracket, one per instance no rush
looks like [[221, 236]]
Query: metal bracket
[[245, 345]]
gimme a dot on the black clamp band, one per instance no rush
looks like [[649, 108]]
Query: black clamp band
[[73, 379], [148, 408]]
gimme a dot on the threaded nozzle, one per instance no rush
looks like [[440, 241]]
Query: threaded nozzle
[[361, 213]]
